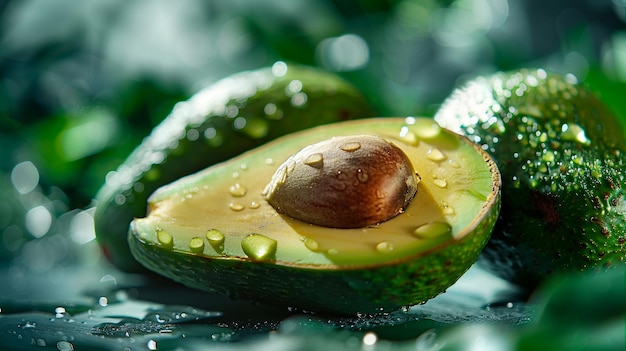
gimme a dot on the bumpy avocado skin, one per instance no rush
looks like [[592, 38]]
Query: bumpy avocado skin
[[345, 287], [219, 122], [558, 149]]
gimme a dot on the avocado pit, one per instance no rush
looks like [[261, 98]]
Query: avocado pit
[[344, 182]]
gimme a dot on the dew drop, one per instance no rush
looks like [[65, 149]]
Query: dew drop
[[315, 160], [432, 230], [311, 244], [370, 339], [338, 185], [295, 86], [254, 205], [236, 206], [408, 136], [270, 109], [425, 129], [259, 246], [215, 238], [65, 346], [363, 177], [196, 245], [435, 155], [384, 247], [279, 69], [442, 183], [164, 238], [299, 99], [574, 132], [350, 147], [237, 190]]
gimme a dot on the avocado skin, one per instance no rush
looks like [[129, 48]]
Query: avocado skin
[[178, 146], [345, 290], [563, 205]]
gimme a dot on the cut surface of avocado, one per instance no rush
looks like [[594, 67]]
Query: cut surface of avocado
[[401, 261], [221, 121]]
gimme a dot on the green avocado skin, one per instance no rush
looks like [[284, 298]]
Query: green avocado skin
[[558, 148], [221, 121]]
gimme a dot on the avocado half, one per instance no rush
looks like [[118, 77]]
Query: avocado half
[[228, 117], [214, 230]]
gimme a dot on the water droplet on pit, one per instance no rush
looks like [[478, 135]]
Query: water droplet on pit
[[259, 246], [254, 205], [237, 190], [350, 147], [164, 238], [315, 160], [384, 247], [435, 155], [196, 245], [432, 230], [363, 177]]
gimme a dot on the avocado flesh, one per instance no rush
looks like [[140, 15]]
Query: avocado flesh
[[221, 121], [403, 261], [558, 149]]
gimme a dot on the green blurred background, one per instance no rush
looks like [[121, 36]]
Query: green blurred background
[[83, 82]]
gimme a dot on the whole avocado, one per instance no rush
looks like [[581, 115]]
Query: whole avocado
[[558, 148], [221, 121]]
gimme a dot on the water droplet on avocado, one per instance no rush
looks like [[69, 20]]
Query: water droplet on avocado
[[299, 99], [259, 246], [426, 129], [433, 230], [384, 247], [408, 136], [314, 160], [254, 205], [216, 239], [196, 245], [574, 132], [193, 134], [237, 190], [295, 86], [279, 69], [236, 206], [442, 183], [350, 147], [435, 155], [164, 238], [311, 244]]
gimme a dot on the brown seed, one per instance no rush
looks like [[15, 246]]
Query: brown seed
[[352, 188]]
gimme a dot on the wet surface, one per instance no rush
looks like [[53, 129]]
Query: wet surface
[[99, 308]]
